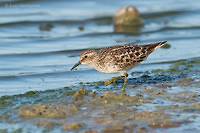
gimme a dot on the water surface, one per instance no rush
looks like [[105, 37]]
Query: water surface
[[41, 40]]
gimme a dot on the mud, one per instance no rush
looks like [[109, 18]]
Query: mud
[[161, 101]]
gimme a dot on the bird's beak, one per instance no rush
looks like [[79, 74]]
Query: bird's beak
[[77, 64]]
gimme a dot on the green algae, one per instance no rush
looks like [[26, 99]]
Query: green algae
[[181, 66], [69, 93], [81, 28], [185, 65], [158, 71], [73, 126], [46, 27], [3, 131], [166, 46], [99, 83], [30, 93], [190, 65], [195, 61], [176, 67], [172, 70], [17, 131]]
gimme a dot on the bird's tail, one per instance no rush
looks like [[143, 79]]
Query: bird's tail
[[155, 45], [162, 43]]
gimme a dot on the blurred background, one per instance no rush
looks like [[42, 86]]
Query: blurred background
[[40, 40]]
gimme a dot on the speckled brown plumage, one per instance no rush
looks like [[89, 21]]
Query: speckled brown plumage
[[117, 59], [124, 57]]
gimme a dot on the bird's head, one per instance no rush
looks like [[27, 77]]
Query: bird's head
[[87, 58]]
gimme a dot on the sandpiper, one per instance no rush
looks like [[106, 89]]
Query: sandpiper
[[117, 59]]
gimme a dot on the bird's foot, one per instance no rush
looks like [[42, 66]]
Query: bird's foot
[[113, 79]]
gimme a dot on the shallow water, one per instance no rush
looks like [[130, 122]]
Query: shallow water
[[32, 59]]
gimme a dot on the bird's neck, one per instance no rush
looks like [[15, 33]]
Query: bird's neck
[[94, 62]]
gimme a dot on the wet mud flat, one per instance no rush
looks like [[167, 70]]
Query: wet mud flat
[[158, 101]]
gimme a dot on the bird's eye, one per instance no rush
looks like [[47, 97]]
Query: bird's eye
[[86, 56]]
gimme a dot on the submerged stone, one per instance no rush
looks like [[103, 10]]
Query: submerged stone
[[195, 61], [30, 93], [185, 81], [102, 120], [81, 28], [46, 124], [46, 27], [162, 123], [72, 126], [116, 128], [91, 131], [149, 115]]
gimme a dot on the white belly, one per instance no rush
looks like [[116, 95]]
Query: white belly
[[114, 70]]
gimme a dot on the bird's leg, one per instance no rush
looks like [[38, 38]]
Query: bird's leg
[[113, 79], [125, 81]]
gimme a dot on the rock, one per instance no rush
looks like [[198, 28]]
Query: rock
[[116, 128], [127, 19], [106, 93], [91, 131], [49, 111], [72, 126], [149, 115], [102, 120], [141, 130], [80, 93], [162, 123], [81, 28], [46, 124], [46, 27]]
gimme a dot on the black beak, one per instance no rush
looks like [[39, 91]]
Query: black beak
[[77, 64]]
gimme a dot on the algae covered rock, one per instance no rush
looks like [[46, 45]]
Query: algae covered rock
[[72, 126], [49, 111], [46, 27], [80, 93]]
